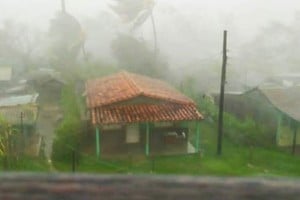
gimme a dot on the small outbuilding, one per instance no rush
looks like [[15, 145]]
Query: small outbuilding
[[21, 112], [131, 113]]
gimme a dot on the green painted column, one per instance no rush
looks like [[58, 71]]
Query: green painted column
[[278, 132], [97, 142], [147, 149], [197, 137]]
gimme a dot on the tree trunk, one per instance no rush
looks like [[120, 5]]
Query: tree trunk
[[154, 35]]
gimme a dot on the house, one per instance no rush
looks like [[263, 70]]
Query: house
[[286, 102], [132, 113], [48, 83], [22, 112], [5, 74], [5, 78], [276, 107]]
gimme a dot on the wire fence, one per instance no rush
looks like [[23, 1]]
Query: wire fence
[[129, 163]]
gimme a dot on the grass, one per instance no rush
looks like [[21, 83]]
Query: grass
[[235, 161], [26, 164]]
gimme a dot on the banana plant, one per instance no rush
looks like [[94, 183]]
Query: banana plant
[[6, 133]]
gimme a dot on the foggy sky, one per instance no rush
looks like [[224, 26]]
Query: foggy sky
[[252, 13], [187, 29]]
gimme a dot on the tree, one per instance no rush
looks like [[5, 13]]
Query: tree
[[18, 45], [136, 12], [67, 39], [134, 56]]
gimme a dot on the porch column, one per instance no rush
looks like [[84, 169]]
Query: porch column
[[278, 132], [147, 149], [295, 128], [97, 142], [197, 137]]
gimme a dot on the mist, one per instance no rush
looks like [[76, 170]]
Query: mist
[[189, 33]]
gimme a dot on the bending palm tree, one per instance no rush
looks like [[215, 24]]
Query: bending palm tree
[[136, 11]]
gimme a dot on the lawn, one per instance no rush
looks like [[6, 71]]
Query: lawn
[[235, 161]]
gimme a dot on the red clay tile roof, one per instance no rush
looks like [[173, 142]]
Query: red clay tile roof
[[144, 113], [124, 86], [102, 94]]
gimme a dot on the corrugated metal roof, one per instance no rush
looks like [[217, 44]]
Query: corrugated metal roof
[[18, 100], [16, 115], [287, 100], [5, 73], [19, 109]]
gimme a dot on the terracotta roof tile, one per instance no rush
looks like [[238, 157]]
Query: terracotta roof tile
[[124, 86], [104, 93], [144, 113]]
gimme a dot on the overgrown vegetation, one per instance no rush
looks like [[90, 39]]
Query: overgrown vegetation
[[235, 161], [70, 129]]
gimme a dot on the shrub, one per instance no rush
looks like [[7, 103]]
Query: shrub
[[68, 133]]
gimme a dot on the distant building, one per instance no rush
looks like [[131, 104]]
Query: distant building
[[22, 113], [5, 78], [48, 83], [276, 106]]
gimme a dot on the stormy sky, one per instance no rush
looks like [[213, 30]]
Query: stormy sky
[[188, 30]]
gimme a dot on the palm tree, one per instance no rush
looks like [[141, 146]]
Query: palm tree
[[67, 38], [136, 12]]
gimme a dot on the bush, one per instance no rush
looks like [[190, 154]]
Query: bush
[[246, 132], [69, 132]]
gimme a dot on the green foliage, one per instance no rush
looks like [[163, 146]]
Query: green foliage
[[26, 164], [94, 69], [6, 137], [133, 55], [66, 40], [68, 133], [239, 131], [246, 132], [204, 102]]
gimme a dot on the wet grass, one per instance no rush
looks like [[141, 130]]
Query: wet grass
[[235, 161]]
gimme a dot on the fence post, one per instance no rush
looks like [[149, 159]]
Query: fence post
[[73, 161]]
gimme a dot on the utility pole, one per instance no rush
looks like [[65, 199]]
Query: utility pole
[[63, 6], [222, 89], [295, 129], [22, 132]]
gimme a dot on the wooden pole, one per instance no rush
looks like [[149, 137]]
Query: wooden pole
[[147, 149], [22, 134], [222, 89], [198, 137], [295, 137], [97, 142]]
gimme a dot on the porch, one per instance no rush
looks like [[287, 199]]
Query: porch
[[147, 139]]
